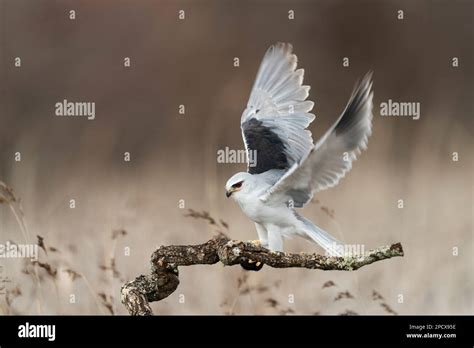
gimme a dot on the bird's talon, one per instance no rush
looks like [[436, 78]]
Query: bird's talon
[[251, 265], [256, 242]]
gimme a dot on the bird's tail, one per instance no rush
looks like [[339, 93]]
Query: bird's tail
[[332, 246]]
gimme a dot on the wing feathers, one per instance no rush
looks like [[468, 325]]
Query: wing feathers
[[332, 156], [278, 102]]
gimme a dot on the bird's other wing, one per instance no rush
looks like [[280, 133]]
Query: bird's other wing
[[332, 156], [277, 114]]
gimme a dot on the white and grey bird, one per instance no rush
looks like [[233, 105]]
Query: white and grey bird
[[289, 169]]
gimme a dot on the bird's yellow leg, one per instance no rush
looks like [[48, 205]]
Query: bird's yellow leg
[[256, 242]]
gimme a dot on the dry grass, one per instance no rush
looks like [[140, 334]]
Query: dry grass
[[47, 270], [265, 296]]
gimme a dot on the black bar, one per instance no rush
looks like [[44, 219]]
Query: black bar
[[242, 330]]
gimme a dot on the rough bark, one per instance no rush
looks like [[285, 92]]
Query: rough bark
[[164, 280]]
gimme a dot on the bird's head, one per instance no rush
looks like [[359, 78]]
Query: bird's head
[[236, 183]]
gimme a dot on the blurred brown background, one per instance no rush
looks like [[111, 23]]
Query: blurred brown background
[[173, 156]]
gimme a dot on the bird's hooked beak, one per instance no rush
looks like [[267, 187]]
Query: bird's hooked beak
[[233, 188]]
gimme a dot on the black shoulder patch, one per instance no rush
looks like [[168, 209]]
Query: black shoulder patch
[[270, 149]]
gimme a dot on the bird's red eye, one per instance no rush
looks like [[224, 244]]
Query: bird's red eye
[[237, 185]]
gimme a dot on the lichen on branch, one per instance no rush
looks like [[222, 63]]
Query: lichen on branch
[[163, 280]]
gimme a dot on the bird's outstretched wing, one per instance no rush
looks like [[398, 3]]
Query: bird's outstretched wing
[[332, 156], [277, 114]]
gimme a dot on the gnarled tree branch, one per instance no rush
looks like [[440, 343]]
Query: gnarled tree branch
[[164, 280]]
